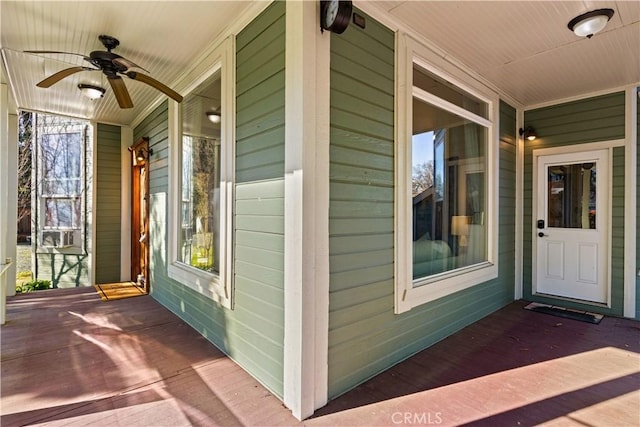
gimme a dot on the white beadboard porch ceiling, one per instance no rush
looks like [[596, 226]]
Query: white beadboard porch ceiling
[[521, 47], [525, 49], [164, 37]]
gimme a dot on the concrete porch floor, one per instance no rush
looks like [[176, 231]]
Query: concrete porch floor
[[70, 359]]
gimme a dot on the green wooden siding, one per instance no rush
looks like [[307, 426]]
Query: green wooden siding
[[260, 97], [638, 212], [590, 120], [107, 239], [617, 231], [365, 336], [253, 332]]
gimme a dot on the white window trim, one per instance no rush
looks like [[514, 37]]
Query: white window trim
[[218, 287], [407, 294]]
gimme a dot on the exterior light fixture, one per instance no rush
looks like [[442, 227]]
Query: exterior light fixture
[[587, 24], [90, 91], [528, 132], [214, 117], [140, 154]]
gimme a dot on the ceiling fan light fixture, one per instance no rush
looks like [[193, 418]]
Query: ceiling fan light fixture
[[590, 23], [214, 117], [90, 91]]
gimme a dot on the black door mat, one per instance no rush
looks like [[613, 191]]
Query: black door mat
[[567, 313]]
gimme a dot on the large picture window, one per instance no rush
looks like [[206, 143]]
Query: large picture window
[[445, 186], [201, 184]]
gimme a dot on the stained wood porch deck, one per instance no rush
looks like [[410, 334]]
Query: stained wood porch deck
[[70, 359]]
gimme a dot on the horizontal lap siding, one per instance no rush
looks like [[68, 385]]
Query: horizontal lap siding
[[638, 214], [365, 336], [251, 333], [589, 120], [260, 98], [107, 240], [259, 196], [617, 231]]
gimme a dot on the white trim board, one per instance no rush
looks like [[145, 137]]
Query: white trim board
[[306, 210], [519, 252], [630, 203], [90, 240]]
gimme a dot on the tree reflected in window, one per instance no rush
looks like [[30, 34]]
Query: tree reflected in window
[[200, 172], [200, 202]]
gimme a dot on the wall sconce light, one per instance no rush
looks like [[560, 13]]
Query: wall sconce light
[[140, 154], [528, 132], [90, 91], [587, 24], [213, 116]]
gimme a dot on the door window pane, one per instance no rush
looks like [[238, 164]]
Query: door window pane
[[571, 196]]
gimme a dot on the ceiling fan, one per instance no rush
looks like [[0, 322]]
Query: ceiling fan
[[113, 66]]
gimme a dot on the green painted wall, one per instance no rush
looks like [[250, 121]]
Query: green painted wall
[[252, 333], [365, 336], [638, 211], [590, 120], [108, 204], [260, 97]]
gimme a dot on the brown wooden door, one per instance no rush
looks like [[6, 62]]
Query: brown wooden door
[[140, 213]]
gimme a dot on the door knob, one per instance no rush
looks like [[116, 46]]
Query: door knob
[[541, 234]]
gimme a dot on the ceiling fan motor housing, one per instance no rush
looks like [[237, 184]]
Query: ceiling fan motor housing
[[109, 42], [104, 61]]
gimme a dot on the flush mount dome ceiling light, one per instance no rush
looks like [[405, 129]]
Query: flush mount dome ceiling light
[[91, 91], [587, 24], [213, 116]]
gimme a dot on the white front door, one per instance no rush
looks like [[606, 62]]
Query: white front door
[[571, 223]]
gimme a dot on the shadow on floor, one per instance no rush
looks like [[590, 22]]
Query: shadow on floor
[[70, 359]]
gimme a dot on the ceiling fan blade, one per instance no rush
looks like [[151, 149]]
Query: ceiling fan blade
[[127, 63], [55, 78], [155, 84], [121, 92], [41, 52]]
